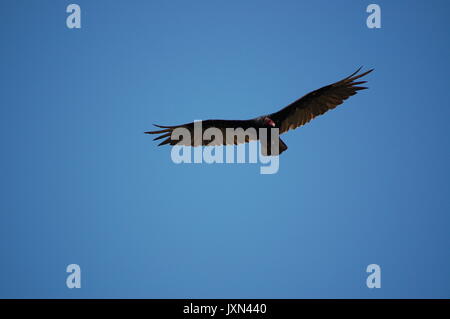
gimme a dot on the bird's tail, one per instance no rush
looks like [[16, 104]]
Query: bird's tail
[[267, 149]]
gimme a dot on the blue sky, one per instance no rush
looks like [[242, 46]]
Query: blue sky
[[366, 183]]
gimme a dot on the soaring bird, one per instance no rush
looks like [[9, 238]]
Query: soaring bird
[[296, 114]]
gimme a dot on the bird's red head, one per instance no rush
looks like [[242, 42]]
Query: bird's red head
[[268, 121]]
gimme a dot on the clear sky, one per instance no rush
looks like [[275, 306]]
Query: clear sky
[[80, 183]]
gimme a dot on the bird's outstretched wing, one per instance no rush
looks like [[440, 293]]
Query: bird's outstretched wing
[[222, 125], [317, 102]]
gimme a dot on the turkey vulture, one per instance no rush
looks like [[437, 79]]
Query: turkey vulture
[[290, 117]]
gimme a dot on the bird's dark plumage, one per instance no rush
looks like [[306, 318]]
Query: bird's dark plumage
[[290, 117], [317, 102]]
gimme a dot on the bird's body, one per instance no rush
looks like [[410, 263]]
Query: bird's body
[[290, 117]]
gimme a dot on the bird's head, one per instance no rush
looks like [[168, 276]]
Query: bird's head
[[268, 121]]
